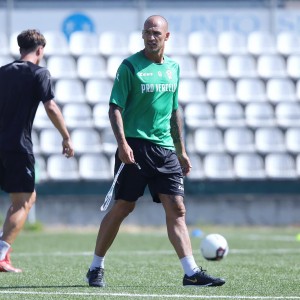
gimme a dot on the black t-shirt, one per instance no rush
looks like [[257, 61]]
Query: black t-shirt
[[22, 86]]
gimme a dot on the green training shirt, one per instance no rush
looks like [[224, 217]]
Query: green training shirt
[[148, 94]]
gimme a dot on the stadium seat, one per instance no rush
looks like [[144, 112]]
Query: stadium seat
[[98, 90], [259, 114], [288, 114], [280, 165], [250, 90], [86, 140], [220, 90], [187, 66], [191, 90], [35, 141], [293, 66], [100, 116], [197, 171], [202, 43], [112, 65], [95, 167], [229, 114], [241, 66], [41, 120], [4, 45], [177, 44], [83, 43], [208, 140], [5, 59], [239, 140], [62, 66], [269, 139], [270, 66], [292, 140], [13, 45], [249, 166], [261, 42], [78, 115], [91, 67], [69, 91], [232, 42], [108, 140], [280, 89], [113, 43], [218, 166], [135, 42], [40, 169], [211, 66], [287, 43], [61, 168], [56, 43], [199, 115], [50, 141]]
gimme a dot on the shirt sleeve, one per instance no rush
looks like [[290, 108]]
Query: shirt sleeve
[[44, 90], [175, 97], [122, 86]]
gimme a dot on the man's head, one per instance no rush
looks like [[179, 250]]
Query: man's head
[[31, 41], [155, 33]]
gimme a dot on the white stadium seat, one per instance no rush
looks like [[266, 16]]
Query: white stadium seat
[[259, 114], [211, 66], [218, 166], [50, 141], [229, 114], [250, 90], [280, 166], [220, 90], [202, 42], [292, 140], [78, 115], [287, 43], [261, 42], [56, 43], [113, 43], [98, 90], [100, 116], [112, 65], [269, 140], [187, 66], [41, 173], [95, 167], [4, 44], [41, 119], [191, 90], [86, 140], [197, 171], [241, 66], [199, 115], [208, 140], [293, 66], [135, 42], [177, 44], [108, 141], [270, 66], [280, 89], [83, 43], [61, 168], [288, 114], [232, 42], [62, 66], [249, 166], [69, 91], [239, 140], [91, 67]]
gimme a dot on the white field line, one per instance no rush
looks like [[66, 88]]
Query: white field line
[[128, 295], [160, 252]]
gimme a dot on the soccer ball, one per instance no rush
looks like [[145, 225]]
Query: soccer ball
[[214, 247]]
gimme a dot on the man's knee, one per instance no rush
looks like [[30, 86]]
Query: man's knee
[[124, 208]]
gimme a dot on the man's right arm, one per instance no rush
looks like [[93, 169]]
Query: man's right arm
[[116, 121], [58, 121]]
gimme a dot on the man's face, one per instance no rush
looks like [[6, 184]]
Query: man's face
[[154, 36]]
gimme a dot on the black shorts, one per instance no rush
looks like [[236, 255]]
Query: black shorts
[[160, 171], [17, 172]]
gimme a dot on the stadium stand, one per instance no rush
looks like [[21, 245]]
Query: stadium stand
[[239, 93]]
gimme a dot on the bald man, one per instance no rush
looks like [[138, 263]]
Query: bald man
[[145, 119]]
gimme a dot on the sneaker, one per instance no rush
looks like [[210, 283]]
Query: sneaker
[[6, 266], [95, 277], [201, 278]]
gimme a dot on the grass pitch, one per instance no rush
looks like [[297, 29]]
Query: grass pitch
[[263, 263]]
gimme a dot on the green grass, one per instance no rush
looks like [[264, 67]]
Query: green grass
[[263, 263]]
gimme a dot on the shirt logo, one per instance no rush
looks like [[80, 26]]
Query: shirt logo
[[28, 172], [144, 74], [169, 74]]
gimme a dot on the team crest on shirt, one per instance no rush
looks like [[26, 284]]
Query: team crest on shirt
[[169, 74], [159, 73]]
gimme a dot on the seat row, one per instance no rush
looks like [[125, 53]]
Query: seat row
[[204, 67], [233, 114], [196, 43], [235, 140], [214, 166]]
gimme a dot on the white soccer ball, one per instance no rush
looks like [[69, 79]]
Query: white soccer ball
[[214, 247]]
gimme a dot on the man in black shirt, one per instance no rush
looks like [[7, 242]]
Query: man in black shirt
[[23, 84]]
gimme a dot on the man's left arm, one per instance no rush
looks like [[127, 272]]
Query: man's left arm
[[176, 133]]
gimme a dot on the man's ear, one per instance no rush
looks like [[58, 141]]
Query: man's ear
[[167, 36]]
